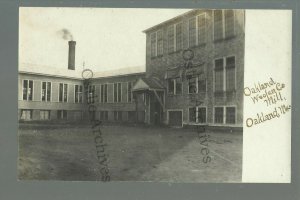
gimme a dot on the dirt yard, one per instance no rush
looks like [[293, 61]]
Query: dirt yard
[[134, 154]]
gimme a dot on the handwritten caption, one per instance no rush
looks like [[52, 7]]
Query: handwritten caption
[[269, 93]]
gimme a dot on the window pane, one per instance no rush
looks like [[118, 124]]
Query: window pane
[[105, 93], [43, 91], [159, 43], [219, 112], [219, 73], [178, 86], [65, 92], [202, 115], [229, 23], [80, 93], [61, 92], [192, 114], [230, 115], [218, 24], [201, 83], [129, 93], [178, 36], [25, 85], [119, 92], [171, 39], [201, 29], [192, 32], [170, 86], [192, 85], [115, 92], [153, 44], [48, 91], [30, 90], [76, 94]]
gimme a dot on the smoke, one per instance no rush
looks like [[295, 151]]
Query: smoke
[[65, 34]]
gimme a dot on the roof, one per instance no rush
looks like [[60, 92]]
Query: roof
[[76, 74], [170, 20], [149, 83]]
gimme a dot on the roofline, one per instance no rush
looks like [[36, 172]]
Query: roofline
[[42, 74], [113, 76], [169, 20], [68, 77]]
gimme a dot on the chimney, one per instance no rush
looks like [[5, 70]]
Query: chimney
[[71, 62]]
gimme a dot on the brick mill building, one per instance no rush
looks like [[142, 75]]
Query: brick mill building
[[194, 76]]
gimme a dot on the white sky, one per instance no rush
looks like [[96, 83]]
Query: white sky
[[107, 39]]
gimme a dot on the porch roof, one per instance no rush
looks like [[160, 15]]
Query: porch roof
[[147, 84]]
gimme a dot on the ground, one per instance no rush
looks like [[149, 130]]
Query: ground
[[135, 153]]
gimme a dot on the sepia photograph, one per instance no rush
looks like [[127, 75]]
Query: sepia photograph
[[131, 94]]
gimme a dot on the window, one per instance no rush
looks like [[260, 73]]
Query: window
[[78, 93], [219, 115], [103, 98], [197, 115], [225, 76], [192, 114], [129, 91], [230, 115], [91, 93], [118, 115], [230, 73], [117, 92], [178, 84], [26, 114], [192, 85], [171, 39], [174, 86], [179, 36], [219, 73], [159, 43], [218, 24], [153, 44], [201, 117], [104, 115], [201, 29], [201, 83], [46, 91], [27, 90], [223, 24], [171, 86], [44, 114], [63, 92], [229, 23], [192, 32], [62, 114]]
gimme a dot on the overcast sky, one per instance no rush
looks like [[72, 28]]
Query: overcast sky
[[107, 39]]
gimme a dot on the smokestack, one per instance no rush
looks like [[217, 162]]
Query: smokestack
[[71, 63]]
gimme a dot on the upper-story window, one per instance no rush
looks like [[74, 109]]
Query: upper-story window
[[178, 34], [117, 92], [225, 74], [174, 86], [171, 39], [175, 37], [78, 93], [223, 24], [27, 90], [46, 91], [192, 32], [156, 39], [63, 92], [103, 98], [201, 28]]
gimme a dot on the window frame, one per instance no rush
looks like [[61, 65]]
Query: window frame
[[223, 24], [63, 99], [28, 80]]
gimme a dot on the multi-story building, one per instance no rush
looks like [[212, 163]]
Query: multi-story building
[[198, 58], [194, 75]]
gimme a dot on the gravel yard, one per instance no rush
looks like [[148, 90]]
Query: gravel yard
[[134, 154]]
